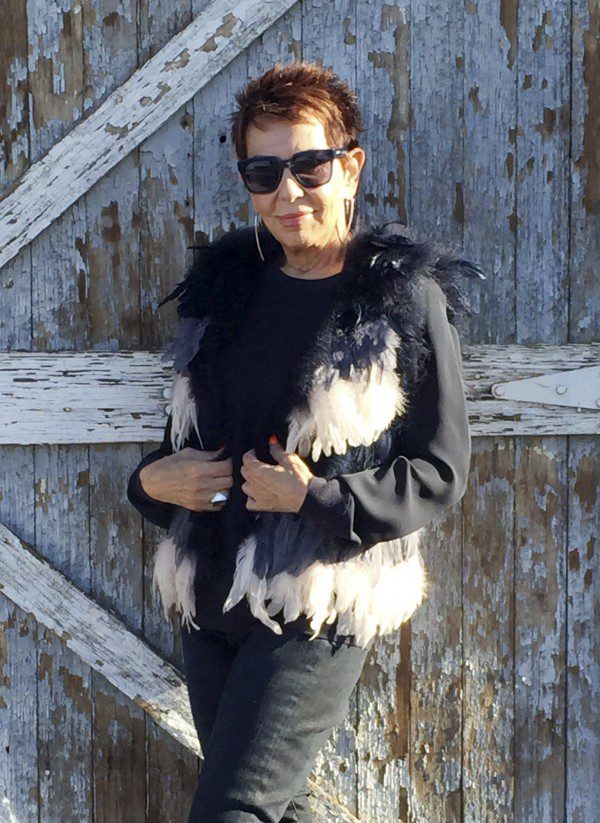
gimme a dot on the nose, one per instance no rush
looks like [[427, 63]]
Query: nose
[[289, 184]]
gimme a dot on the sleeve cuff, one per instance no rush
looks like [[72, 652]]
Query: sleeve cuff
[[323, 499], [136, 490]]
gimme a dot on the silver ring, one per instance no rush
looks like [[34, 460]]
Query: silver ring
[[219, 497]]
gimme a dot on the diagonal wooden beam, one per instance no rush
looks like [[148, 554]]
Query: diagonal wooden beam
[[103, 642], [123, 397], [130, 114], [98, 637]]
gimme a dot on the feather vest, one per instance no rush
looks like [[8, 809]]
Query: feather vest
[[348, 399]]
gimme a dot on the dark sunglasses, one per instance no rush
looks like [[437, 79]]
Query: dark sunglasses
[[311, 168]]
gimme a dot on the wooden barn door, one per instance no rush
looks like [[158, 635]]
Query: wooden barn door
[[481, 130]]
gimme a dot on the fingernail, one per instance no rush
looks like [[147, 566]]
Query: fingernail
[[273, 439]]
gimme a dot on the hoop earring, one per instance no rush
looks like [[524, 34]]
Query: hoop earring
[[256, 217], [349, 210], [349, 206]]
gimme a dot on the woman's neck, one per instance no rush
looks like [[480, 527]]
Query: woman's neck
[[324, 265]]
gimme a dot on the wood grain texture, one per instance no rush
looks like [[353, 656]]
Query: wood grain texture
[[582, 792], [19, 793], [488, 628], [582, 676], [111, 251], [540, 627], [19, 790], [436, 688], [164, 225], [57, 321], [435, 204]]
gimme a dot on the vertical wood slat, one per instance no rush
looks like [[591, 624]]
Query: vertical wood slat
[[540, 626], [19, 792], [436, 689], [14, 115], [488, 633], [111, 250], [435, 206], [56, 91], [583, 644], [582, 798], [541, 315], [166, 217], [19, 797], [486, 209]]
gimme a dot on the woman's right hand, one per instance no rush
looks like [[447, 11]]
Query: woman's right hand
[[188, 478]]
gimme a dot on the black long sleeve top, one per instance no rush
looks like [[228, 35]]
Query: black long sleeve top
[[416, 485]]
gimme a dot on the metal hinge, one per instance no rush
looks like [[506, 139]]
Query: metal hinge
[[579, 388]]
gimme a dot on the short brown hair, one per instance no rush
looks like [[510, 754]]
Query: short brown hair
[[290, 92]]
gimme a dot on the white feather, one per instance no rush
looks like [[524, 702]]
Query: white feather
[[175, 585], [186, 595], [371, 594], [244, 573], [163, 577], [344, 412], [183, 411]]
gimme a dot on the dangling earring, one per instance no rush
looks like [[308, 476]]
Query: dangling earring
[[349, 210], [256, 217]]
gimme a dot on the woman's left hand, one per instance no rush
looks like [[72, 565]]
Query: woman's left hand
[[280, 488]]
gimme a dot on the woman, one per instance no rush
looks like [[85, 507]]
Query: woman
[[318, 424]]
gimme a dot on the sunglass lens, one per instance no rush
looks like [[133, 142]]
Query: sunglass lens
[[261, 176], [313, 171]]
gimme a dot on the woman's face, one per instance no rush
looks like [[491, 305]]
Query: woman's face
[[323, 206]]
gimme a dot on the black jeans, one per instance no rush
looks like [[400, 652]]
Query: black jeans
[[263, 706]]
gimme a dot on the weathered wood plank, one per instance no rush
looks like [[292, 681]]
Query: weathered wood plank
[[542, 173], [582, 745], [583, 639], [436, 693], [540, 627], [111, 249], [584, 168], [117, 584], [488, 628], [129, 115], [434, 204], [166, 227], [14, 115], [19, 792], [221, 200], [541, 315], [64, 713], [485, 207]]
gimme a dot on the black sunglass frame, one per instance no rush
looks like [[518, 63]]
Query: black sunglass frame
[[280, 165]]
